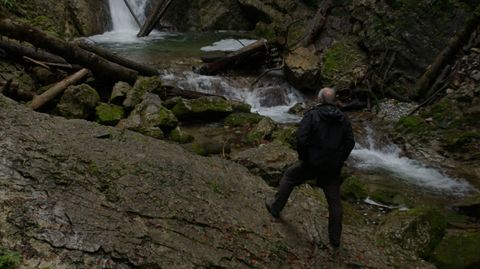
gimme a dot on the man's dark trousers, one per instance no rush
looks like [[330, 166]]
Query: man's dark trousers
[[328, 180]]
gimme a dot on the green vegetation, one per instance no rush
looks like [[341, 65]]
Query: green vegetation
[[11, 5], [343, 62], [179, 136], [242, 119], [458, 251], [108, 114], [353, 189], [9, 259]]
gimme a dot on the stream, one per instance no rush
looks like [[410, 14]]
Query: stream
[[380, 163]]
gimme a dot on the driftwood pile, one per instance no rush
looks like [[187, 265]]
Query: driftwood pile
[[75, 61]]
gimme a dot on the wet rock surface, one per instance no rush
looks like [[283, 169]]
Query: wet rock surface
[[79, 195]]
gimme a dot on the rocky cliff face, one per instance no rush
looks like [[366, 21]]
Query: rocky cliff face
[[78, 195], [66, 18]]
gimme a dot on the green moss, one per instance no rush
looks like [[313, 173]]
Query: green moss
[[287, 135], [9, 259], [418, 230], [242, 119], [179, 136], [108, 114], [205, 108], [265, 30], [388, 197], [436, 223], [413, 124], [342, 61], [165, 119], [458, 251], [11, 5], [352, 188], [457, 141]]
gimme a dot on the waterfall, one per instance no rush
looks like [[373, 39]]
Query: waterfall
[[122, 19], [387, 160], [124, 27]]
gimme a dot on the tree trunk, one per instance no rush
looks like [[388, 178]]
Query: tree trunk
[[100, 67], [423, 83], [39, 100], [317, 23], [242, 54], [159, 11], [142, 69], [15, 50], [133, 13]]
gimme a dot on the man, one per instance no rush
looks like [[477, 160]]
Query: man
[[324, 142]]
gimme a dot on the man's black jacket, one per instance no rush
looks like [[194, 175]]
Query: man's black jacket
[[324, 137]]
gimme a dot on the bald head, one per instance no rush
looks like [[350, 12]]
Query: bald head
[[327, 96]]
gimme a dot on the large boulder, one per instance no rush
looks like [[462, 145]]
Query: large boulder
[[109, 114], [458, 250], [262, 131], [150, 117], [205, 109], [136, 94], [119, 92], [76, 194], [302, 68], [85, 21], [269, 161], [418, 230], [78, 102]]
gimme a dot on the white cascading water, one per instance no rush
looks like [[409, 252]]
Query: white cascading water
[[273, 100], [124, 27], [389, 161]]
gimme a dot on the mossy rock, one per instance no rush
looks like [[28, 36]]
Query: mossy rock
[[286, 135], [242, 119], [458, 141], [240, 106], [119, 92], [180, 137], [353, 189], [142, 86], [203, 109], [78, 102], [418, 230], [9, 259], [108, 114], [343, 63], [388, 197], [266, 31], [206, 148], [470, 206], [172, 102], [262, 131], [45, 23], [458, 251]]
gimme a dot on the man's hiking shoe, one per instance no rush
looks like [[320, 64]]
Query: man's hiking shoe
[[272, 212]]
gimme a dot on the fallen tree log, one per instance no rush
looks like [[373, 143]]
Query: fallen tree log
[[133, 13], [159, 11], [15, 50], [317, 23], [13, 90], [71, 52], [142, 69], [259, 47], [422, 86], [40, 100]]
